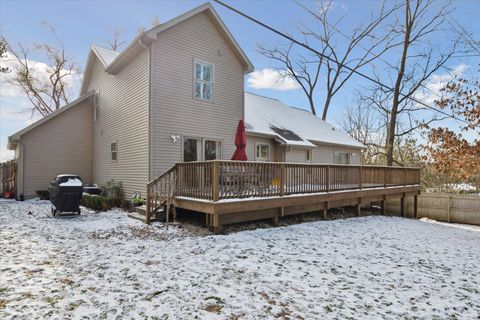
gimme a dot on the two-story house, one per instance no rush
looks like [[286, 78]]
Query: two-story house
[[175, 94]]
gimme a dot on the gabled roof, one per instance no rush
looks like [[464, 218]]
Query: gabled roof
[[14, 138], [113, 60], [105, 55], [206, 7], [291, 126]]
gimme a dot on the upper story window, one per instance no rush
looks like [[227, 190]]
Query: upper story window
[[96, 106], [341, 157], [263, 152], [203, 86], [114, 151], [308, 155]]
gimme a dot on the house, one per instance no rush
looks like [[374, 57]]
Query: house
[[174, 94], [161, 117]]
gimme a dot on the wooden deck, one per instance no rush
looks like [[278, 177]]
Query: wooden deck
[[233, 191]]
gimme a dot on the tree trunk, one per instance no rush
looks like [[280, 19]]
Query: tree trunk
[[325, 107], [312, 105], [396, 93]]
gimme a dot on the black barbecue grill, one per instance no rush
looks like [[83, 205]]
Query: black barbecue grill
[[65, 194]]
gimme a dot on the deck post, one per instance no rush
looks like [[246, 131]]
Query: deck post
[[216, 225], [415, 206], [149, 206], [402, 206], [325, 211], [215, 180]]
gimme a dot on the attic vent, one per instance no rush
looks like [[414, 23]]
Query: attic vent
[[286, 134]]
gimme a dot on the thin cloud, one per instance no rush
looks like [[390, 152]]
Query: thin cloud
[[272, 79], [437, 82]]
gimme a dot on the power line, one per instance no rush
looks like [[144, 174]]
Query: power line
[[330, 59]]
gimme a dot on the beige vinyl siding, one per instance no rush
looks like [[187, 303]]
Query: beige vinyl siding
[[123, 118], [296, 155], [325, 154], [63, 144], [174, 109]]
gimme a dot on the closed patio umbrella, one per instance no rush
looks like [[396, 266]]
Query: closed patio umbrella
[[240, 142]]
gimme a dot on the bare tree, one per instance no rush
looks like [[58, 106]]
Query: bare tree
[[49, 92], [415, 65], [116, 42], [3, 51], [306, 70]]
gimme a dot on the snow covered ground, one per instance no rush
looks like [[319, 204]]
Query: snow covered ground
[[108, 266]]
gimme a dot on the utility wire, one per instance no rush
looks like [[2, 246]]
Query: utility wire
[[331, 59]]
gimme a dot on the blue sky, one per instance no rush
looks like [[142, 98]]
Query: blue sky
[[82, 23]]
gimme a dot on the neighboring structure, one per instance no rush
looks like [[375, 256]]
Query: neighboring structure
[[175, 94]]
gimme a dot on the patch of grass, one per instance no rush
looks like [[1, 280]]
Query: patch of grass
[[155, 293], [328, 308], [213, 307], [3, 289], [217, 299], [52, 300], [3, 304]]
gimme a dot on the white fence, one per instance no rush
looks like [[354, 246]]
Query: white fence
[[442, 207]]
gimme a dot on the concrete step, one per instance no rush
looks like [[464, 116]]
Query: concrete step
[[141, 209]]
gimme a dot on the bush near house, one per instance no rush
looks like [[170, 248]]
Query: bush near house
[[112, 196], [43, 194]]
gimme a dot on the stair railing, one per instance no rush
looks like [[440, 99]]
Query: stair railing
[[160, 193]]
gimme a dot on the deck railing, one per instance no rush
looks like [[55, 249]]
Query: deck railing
[[222, 179]]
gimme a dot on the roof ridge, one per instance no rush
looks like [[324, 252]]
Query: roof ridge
[[256, 94]]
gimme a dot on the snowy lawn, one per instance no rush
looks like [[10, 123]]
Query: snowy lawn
[[108, 266]]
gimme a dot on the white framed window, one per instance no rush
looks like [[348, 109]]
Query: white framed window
[[262, 152], [114, 151], [203, 84], [308, 155], [212, 149], [341, 157], [96, 106]]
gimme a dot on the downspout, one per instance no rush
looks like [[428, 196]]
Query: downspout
[[150, 167], [20, 174]]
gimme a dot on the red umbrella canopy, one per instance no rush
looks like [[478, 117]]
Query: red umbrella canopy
[[240, 142]]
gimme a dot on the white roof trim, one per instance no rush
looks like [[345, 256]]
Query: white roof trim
[[204, 7], [17, 135]]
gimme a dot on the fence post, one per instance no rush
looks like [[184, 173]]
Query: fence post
[[385, 177], [404, 176], [215, 180], [449, 205], [415, 206], [282, 179], [360, 177]]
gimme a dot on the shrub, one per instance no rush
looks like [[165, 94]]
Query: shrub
[[137, 202], [97, 203], [113, 190], [43, 194]]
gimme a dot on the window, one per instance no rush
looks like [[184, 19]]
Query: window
[[341, 158], [191, 149], [203, 81], [212, 150], [263, 152], [114, 150], [308, 155], [96, 106]]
